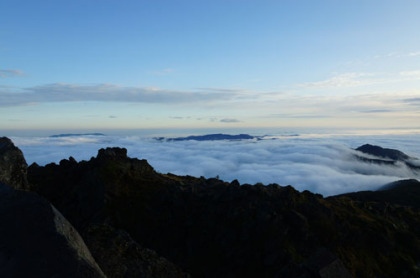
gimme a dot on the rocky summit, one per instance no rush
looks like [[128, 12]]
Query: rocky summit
[[116, 216]]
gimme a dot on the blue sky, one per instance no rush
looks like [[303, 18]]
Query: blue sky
[[185, 64]]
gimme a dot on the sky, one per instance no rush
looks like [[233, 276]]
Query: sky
[[108, 64]]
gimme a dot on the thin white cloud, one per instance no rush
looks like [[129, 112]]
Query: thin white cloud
[[163, 72], [354, 79], [417, 53], [398, 55], [412, 74], [10, 73], [344, 80]]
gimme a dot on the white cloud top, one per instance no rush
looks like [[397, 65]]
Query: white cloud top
[[326, 166]]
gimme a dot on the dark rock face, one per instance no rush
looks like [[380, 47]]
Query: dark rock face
[[121, 256], [37, 241], [211, 228], [13, 166]]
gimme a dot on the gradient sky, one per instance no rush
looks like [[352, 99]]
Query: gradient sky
[[92, 64]]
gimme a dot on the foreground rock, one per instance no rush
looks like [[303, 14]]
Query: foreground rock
[[90, 194], [13, 166], [211, 228], [37, 241]]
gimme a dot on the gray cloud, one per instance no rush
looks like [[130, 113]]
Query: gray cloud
[[415, 101], [378, 111], [61, 92], [300, 116], [320, 165], [229, 120], [10, 73]]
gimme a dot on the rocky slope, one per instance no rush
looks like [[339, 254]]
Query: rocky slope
[[404, 193], [211, 228], [140, 223], [37, 241]]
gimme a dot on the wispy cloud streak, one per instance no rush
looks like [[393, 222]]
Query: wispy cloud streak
[[62, 92], [10, 73]]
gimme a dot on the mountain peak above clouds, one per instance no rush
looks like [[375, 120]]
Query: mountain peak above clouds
[[211, 137], [383, 152], [378, 155]]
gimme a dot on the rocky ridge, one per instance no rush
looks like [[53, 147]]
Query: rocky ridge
[[140, 223]]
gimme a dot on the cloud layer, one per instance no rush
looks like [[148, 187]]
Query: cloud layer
[[63, 92], [320, 165]]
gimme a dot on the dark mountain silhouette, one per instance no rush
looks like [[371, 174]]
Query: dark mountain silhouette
[[137, 222], [384, 156], [210, 137], [76, 135], [383, 152]]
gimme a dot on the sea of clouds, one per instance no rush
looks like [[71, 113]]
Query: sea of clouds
[[324, 164]]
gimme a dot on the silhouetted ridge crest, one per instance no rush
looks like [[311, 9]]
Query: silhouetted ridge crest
[[112, 153], [383, 152]]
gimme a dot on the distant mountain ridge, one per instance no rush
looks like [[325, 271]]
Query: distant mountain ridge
[[209, 137], [379, 155], [76, 134], [383, 152]]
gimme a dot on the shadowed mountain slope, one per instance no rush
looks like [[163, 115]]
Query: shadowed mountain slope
[[212, 228], [404, 193]]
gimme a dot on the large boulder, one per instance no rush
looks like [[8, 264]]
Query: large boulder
[[37, 241], [13, 166]]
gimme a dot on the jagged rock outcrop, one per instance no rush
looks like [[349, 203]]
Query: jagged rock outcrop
[[37, 241], [13, 166], [211, 228], [88, 193]]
